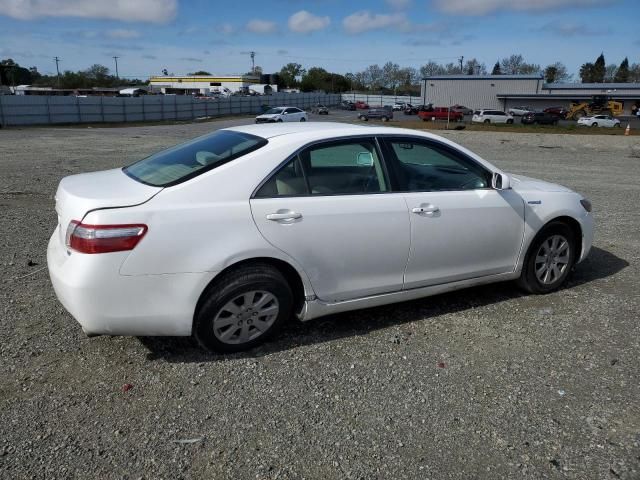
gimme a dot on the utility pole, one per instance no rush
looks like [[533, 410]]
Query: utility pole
[[57, 69], [461, 59], [253, 62], [116, 59]]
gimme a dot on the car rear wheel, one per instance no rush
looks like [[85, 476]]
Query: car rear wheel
[[594, 124], [244, 308], [303, 119], [487, 121], [549, 260], [510, 121], [385, 119]]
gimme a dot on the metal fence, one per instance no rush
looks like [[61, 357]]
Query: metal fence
[[43, 110], [380, 100]]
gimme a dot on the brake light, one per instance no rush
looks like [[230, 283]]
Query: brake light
[[103, 238]]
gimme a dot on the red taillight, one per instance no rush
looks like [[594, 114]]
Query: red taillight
[[103, 238]]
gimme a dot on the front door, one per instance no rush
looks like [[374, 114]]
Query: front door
[[461, 228], [330, 209]]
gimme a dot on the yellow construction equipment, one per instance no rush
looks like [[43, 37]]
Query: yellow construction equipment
[[600, 105]]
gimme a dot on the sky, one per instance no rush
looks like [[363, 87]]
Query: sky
[[342, 36]]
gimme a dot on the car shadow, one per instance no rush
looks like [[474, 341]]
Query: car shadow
[[600, 264]]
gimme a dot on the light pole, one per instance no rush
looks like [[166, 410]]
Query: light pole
[[116, 60], [57, 70]]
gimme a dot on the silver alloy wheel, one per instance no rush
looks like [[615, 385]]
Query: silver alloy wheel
[[246, 317], [552, 259]]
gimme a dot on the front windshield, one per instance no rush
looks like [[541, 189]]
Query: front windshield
[[274, 111], [187, 160]]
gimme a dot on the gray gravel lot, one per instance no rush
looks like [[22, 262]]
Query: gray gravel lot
[[482, 383]]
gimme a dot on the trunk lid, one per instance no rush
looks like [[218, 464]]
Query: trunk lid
[[79, 194]]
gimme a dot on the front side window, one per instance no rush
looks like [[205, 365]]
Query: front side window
[[425, 166], [274, 111], [182, 162]]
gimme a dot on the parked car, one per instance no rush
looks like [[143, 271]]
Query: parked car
[[599, 121], [561, 112], [491, 116], [320, 109], [282, 114], [440, 113], [462, 109], [541, 118], [347, 105], [415, 109], [267, 239], [360, 105], [399, 106], [384, 114], [519, 111], [410, 109]]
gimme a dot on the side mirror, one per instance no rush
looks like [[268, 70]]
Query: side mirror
[[365, 159], [500, 181]]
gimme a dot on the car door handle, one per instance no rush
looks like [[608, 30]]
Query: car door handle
[[428, 210], [284, 216]]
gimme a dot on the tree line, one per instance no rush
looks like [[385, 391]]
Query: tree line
[[95, 76], [390, 78]]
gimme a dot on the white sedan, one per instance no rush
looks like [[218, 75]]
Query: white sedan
[[282, 114], [227, 236], [519, 111], [599, 121]]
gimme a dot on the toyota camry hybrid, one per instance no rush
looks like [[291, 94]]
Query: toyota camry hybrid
[[227, 236]]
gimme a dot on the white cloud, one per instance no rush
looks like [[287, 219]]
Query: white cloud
[[122, 33], [261, 26], [155, 11], [399, 4], [364, 21], [564, 29], [482, 7], [227, 28], [305, 22]]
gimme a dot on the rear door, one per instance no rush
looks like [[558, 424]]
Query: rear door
[[461, 228], [330, 209]]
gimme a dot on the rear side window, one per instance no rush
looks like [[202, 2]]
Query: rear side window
[[182, 162]]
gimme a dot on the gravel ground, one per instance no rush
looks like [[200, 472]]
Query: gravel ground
[[482, 383]]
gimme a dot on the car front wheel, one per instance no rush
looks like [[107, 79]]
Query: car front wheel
[[242, 309], [549, 260]]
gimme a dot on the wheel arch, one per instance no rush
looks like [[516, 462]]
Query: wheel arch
[[571, 222], [288, 271]]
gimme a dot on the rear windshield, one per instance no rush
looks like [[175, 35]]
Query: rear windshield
[[187, 160]]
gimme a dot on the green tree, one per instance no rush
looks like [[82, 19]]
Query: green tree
[[587, 72], [290, 73], [200, 72], [556, 73], [496, 69], [622, 75], [599, 69]]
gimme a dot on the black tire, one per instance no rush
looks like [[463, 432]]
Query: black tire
[[510, 121], [594, 124], [303, 119], [487, 121], [617, 125], [528, 280], [256, 277], [385, 119]]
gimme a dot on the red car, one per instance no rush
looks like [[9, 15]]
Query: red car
[[360, 105], [440, 113]]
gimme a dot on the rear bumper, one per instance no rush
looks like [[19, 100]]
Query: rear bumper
[[104, 302]]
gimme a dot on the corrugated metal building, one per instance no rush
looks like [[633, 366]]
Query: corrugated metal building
[[506, 91], [204, 84]]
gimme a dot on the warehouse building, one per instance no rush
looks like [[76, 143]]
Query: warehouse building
[[210, 85], [502, 92]]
